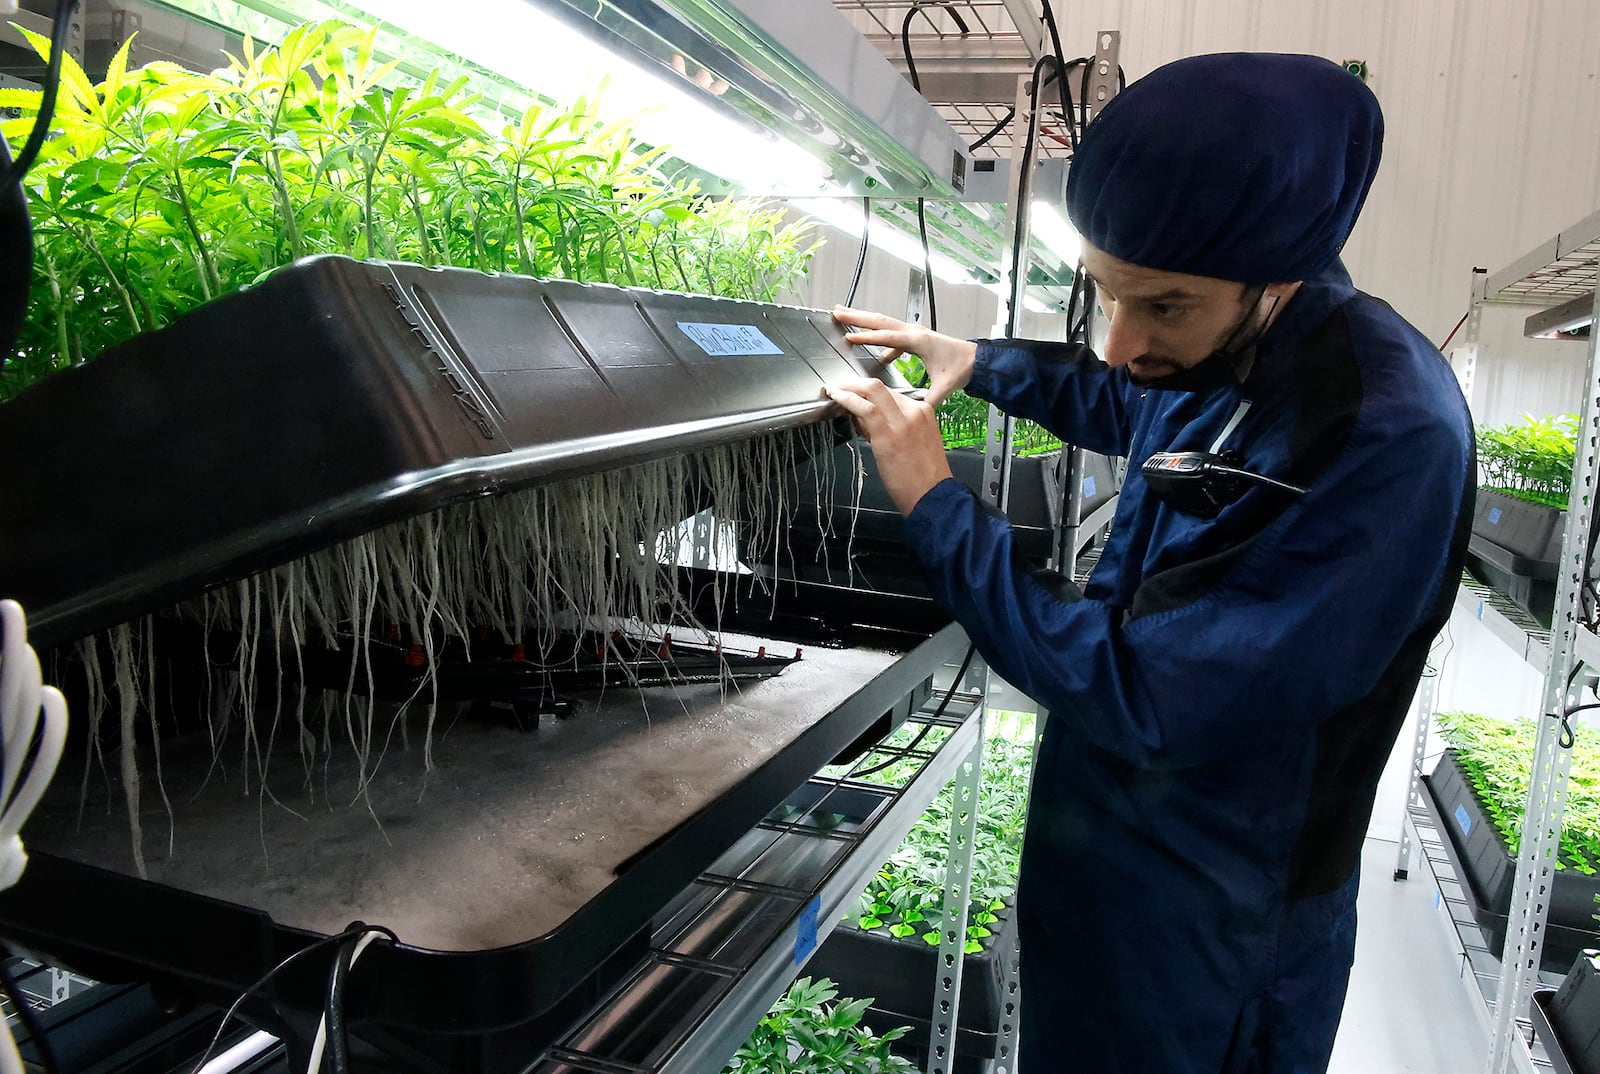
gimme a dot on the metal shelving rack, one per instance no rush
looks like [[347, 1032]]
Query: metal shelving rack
[[730, 945], [1565, 268]]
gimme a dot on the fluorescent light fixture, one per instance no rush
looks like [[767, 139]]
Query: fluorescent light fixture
[[1056, 233], [1028, 301], [519, 41], [845, 215], [1570, 320]]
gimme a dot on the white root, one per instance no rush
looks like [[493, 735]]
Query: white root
[[588, 555]]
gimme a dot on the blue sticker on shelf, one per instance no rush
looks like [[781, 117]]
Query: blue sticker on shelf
[[805, 940], [1494, 516], [1088, 486], [1463, 820], [725, 340]]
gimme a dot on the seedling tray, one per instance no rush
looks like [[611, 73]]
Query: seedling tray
[[340, 395], [1554, 1047], [1487, 872], [614, 811]]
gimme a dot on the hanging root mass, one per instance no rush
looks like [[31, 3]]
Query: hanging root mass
[[584, 555]]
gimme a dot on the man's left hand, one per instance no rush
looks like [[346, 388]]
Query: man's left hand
[[905, 438]]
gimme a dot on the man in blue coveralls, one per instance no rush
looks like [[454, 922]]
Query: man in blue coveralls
[[1225, 690]]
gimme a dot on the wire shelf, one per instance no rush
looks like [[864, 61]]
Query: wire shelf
[[985, 19], [972, 120], [1559, 270]]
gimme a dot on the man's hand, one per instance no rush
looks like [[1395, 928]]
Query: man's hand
[[905, 438], [948, 360]]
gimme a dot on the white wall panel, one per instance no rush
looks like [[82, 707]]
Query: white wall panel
[[1492, 110]]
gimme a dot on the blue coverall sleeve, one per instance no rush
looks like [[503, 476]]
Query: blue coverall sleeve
[[1061, 386], [1276, 634]]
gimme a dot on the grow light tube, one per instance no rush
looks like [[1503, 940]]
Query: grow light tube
[[517, 39], [1056, 233], [845, 215]]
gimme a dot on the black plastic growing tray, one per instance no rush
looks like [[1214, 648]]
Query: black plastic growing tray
[[339, 395], [482, 1010], [1488, 873], [1555, 1049], [899, 975]]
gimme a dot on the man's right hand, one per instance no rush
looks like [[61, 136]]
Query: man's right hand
[[948, 360]]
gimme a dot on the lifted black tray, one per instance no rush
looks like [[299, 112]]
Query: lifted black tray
[[341, 395]]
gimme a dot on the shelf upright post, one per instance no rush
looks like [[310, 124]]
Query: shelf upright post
[[1428, 688], [1427, 699], [1552, 764], [1466, 372]]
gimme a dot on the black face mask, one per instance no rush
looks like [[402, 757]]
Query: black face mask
[[1229, 364]]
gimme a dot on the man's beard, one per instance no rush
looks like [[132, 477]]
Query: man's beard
[[1219, 367]]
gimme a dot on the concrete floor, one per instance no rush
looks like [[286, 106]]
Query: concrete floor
[[1407, 1009]]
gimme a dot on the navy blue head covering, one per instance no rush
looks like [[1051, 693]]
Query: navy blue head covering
[[1240, 166]]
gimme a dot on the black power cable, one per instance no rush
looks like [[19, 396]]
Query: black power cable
[[994, 131], [47, 103], [905, 34], [354, 932], [338, 1041], [927, 265], [1062, 70], [955, 684], [1018, 264], [861, 255]]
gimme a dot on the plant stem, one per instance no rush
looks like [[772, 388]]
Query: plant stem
[[210, 282]]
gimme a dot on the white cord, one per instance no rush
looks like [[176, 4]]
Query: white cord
[[24, 701], [321, 1040], [1233, 423]]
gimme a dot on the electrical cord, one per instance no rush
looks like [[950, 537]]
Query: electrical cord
[[994, 131], [1023, 184], [232, 1012], [333, 1011], [33, 723], [905, 34], [1063, 69], [927, 265], [861, 255], [1454, 330], [47, 102], [955, 684], [330, 1036]]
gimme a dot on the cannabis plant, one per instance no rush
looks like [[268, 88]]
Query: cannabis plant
[[964, 421], [906, 897], [812, 1031], [163, 188], [1531, 459], [1497, 755]]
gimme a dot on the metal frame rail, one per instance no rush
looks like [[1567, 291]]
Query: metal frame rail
[[1560, 270], [730, 945]]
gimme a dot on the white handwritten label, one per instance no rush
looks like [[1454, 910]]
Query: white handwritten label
[[723, 340]]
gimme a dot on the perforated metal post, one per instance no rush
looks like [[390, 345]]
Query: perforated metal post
[[1427, 699], [1103, 73], [1427, 689], [1466, 367], [916, 293], [1547, 786]]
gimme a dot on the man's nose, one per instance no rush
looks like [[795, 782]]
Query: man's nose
[[1124, 342]]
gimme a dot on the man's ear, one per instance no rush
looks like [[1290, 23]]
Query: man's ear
[[1282, 291]]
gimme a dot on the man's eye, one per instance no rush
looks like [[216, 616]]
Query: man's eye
[[1166, 311]]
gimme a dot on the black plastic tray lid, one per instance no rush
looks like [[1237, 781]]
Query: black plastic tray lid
[[340, 395]]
